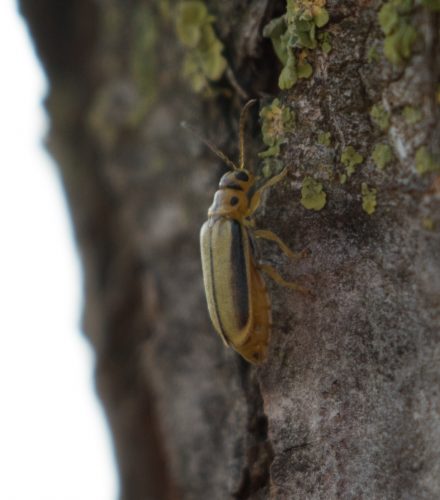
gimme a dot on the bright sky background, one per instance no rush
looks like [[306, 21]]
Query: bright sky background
[[54, 443]]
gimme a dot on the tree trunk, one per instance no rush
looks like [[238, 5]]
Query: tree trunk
[[347, 404]]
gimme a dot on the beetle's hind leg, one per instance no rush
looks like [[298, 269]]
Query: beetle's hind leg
[[272, 273], [269, 235]]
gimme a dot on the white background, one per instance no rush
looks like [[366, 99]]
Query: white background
[[54, 443]]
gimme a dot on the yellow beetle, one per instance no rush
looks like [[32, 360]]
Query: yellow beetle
[[237, 297]]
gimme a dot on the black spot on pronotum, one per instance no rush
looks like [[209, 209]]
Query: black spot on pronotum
[[242, 176], [234, 201]]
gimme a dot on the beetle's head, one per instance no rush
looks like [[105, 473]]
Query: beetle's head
[[231, 199]]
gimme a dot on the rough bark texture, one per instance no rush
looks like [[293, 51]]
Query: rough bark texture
[[348, 403]]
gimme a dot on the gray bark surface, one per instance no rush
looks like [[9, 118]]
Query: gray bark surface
[[348, 404]]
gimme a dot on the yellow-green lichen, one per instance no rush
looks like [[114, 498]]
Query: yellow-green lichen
[[276, 122], [143, 59], [124, 103], [369, 201], [400, 34], [271, 167], [380, 117], [324, 40], [305, 69], [432, 4], [295, 32], [428, 224], [289, 74], [165, 9], [373, 55], [313, 197], [324, 138], [382, 155], [425, 162], [411, 115], [350, 158], [203, 61]]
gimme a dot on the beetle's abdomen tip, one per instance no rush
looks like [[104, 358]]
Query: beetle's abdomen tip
[[256, 357]]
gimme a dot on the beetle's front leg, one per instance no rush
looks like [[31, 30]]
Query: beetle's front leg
[[269, 235], [256, 197]]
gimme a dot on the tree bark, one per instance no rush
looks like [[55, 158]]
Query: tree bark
[[348, 403]]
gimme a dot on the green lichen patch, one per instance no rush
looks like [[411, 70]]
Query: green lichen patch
[[428, 224], [190, 19], [432, 4], [380, 117], [125, 103], [382, 155], [276, 122], [145, 35], [203, 61], [289, 74], [165, 9], [411, 115], [305, 69], [425, 162], [369, 201], [313, 196], [373, 55], [324, 40], [325, 138], [400, 35], [350, 158], [292, 33], [271, 167]]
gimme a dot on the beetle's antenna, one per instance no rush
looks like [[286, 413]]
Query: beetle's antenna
[[210, 145], [243, 115]]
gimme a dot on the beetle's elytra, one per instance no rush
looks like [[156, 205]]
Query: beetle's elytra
[[236, 294]]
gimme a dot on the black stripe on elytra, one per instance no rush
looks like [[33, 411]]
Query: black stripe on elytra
[[211, 264], [239, 274], [234, 186]]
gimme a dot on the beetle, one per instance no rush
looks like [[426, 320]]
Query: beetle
[[236, 294]]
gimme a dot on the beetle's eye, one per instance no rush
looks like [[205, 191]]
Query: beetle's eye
[[233, 201], [242, 176]]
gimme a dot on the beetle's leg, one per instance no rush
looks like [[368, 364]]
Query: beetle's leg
[[249, 223], [270, 271], [269, 235], [256, 197]]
